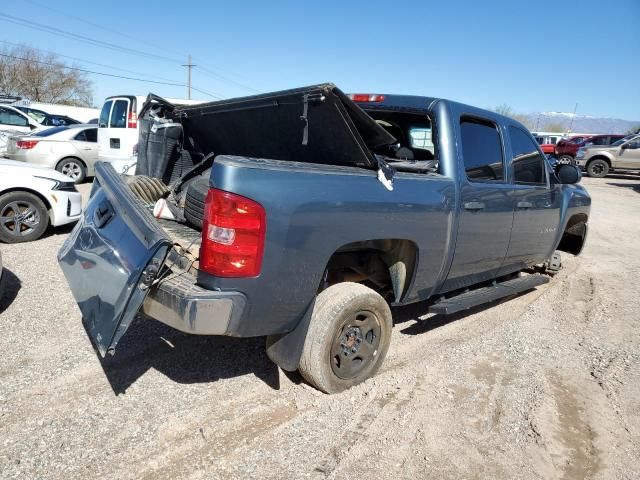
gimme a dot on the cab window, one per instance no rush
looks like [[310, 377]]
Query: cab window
[[528, 162], [481, 150]]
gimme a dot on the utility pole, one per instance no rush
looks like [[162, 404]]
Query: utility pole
[[189, 66], [575, 109]]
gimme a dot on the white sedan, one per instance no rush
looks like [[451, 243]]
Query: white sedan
[[70, 149], [32, 198]]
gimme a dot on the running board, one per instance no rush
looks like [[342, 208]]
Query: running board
[[473, 298]]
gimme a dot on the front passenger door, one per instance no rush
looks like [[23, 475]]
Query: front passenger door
[[537, 204]]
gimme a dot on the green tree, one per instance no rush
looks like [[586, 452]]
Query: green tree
[[42, 77]]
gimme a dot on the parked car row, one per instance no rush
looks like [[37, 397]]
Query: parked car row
[[566, 149], [599, 160]]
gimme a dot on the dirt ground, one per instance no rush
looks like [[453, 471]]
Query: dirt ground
[[546, 385]]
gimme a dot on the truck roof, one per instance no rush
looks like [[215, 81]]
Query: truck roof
[[384, 100]]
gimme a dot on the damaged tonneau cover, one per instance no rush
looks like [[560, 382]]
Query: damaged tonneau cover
[[317, 124]]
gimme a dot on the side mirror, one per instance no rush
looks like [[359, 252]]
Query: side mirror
[[569, 174], [624, 146], [32, 126]]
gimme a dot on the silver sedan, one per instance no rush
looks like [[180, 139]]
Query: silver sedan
[[70, 149]]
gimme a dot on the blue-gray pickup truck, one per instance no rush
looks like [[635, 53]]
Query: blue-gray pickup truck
[[305, 215]]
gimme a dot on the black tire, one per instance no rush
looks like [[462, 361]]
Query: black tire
[[597, 168], [23, 217], [194, 201], [566, 160], [348, 337], [72, 168]]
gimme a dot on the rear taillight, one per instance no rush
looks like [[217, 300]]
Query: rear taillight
[[233, 233], [132, 122], [26, 144]]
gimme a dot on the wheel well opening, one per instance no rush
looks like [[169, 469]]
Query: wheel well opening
[[574, 235], [600, 158], [385, 265]]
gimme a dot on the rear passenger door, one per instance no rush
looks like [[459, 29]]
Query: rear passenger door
[[86, 141], [486, 207], [537, 204]]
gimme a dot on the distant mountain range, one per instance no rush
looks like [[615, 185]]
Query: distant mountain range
[[581, 123]]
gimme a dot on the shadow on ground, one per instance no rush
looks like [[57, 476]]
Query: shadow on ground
[[61, 230], [9, 287], [185, 358], [633, 186], [425, 322]]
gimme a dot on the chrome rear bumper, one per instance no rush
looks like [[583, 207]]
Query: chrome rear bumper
[[178, 302]]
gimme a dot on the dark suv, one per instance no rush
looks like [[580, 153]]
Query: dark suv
[[566, 149]]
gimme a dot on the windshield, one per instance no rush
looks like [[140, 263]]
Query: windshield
[[50, 131]]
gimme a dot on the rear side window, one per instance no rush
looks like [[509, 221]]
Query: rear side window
[[119, 114], [81, 137], [104, 114], [528, 162], [481, 150], [9, 117], [91, 134]]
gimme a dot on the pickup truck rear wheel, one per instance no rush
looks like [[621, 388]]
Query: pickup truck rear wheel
[[597, 168], [348, 337]]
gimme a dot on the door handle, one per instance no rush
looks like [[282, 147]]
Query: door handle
[[102, 215], [525, 204], [474, 206]]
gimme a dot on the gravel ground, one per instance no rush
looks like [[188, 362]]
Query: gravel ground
[[545, 385]]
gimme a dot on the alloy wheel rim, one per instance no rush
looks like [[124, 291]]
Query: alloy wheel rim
[[71, 169], [19, 218]]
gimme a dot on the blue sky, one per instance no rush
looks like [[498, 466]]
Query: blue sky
[[533, 56]]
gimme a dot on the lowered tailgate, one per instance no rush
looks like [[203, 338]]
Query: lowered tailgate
[[111, 258]]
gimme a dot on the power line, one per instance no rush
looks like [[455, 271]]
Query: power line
[[88, 61], [112, 46], [226, 79], [57, 31], [103, 73], [102, 27]]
